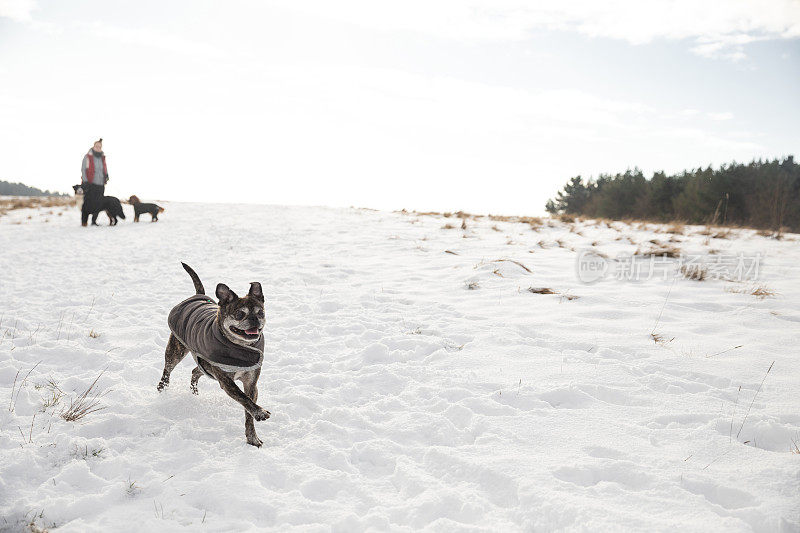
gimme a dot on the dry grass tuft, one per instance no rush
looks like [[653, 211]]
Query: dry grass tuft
[[448, 226], [660, 339], [450, 252], [541, 290], [54, 394], [472, 285], [547, 290], [777, 235], [534, 222], [86, 403], [31, 525], [695, 272], [759, 291], [523, 267], [464, 214], [659, 250], [677, 228], [86, 453], [762, 292], [716, 233]]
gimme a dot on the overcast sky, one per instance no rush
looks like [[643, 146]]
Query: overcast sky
[[481, 105]]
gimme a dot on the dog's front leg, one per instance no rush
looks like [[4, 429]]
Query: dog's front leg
[[227, 384], [249, 382]]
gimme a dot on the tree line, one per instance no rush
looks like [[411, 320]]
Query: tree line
[[20, 189], [759, 194]]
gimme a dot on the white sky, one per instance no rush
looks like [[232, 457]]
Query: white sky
[[487, 106]]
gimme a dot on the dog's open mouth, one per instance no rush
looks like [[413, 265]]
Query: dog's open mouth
[[247, 333]]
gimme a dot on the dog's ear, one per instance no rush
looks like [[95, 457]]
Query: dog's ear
[[224, 294], [255, 291]]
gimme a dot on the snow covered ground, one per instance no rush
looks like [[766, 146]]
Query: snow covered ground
[[410, 388]]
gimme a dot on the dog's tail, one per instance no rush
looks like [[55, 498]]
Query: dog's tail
[[198, 285]]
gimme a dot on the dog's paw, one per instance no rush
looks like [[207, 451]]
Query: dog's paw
[[162, 385], [194, 389], [254, 441], [261, 414]]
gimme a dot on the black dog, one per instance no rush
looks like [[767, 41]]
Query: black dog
[[140, 208], [113, 208], [225, 341], [110, 204]]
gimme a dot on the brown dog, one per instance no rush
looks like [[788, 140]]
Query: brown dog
[[139, 208], [226, 342]]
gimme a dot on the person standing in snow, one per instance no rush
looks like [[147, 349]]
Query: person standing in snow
[[94, 176]]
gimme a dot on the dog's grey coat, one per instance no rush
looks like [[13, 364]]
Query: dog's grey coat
[[194, 323]]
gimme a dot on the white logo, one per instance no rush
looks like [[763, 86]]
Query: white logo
[[591, 267]]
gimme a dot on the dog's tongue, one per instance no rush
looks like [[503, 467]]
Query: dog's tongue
[[252, 331]]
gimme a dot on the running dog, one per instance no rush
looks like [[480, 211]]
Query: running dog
[[226, 342]]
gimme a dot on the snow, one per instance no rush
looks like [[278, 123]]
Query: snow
[[401, 400]]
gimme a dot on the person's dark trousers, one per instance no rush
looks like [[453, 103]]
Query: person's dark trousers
[[92, 202]]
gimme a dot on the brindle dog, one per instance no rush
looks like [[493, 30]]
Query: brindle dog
[[241, 321]]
